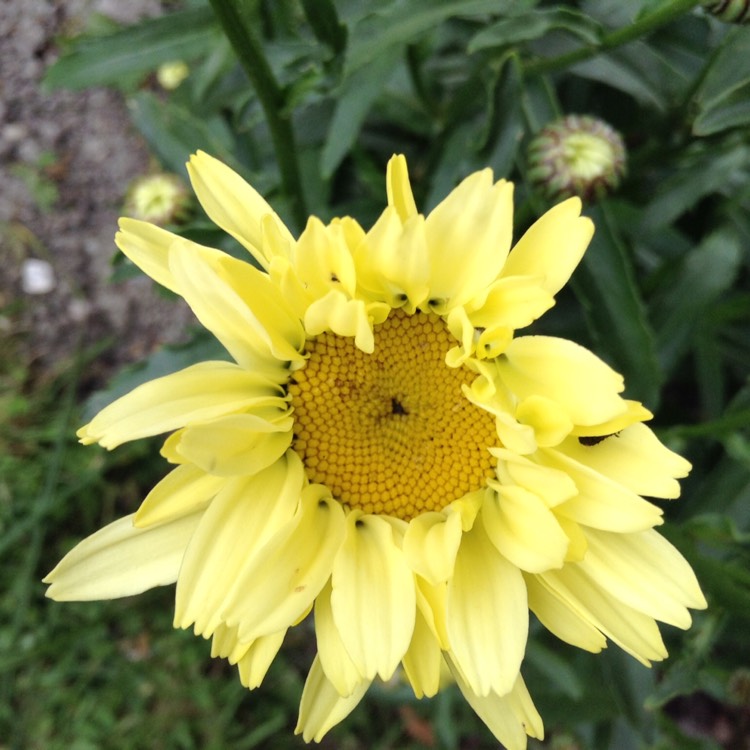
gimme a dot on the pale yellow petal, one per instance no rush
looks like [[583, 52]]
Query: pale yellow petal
[[233, 205], [239, 304], [562, 371], [512, 302], [523, 529], [346, 317], [236, 444], [322, 259], [321, 707], [374, 596], [549, 420], [431, 543], [398, 187], [431, 604], [199, 392], [334, 658], [280, 583], [184, 490], [645, 572], [636, 459], [148, 246], [561, 620], [600, 502], [631, 630], [393, 262], [487, 615], [121, 560], [254, 665], [634, 412], [242, 518], [554, 486], [511, 717], [423, 660], [553, 246], [468, 238]]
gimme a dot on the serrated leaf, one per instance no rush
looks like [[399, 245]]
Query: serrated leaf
[[121, 58], [401, 23], [534, 25], [605, 284]]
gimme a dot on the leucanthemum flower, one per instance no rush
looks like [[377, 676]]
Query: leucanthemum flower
[[386, 453]]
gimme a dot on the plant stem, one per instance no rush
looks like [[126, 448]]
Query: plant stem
[[237, 23], [616, 38]]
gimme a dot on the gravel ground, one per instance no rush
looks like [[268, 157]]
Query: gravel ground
[[66, 160]]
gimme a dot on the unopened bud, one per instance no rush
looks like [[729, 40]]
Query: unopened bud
[[171, 74], [159, 198], [577, 155]]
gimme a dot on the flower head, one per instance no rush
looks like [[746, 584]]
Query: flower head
[[576, 155], [161, 198], [386, 453], [171, 74]]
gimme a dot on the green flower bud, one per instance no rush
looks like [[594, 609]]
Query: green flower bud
[[160, 198], [171, 74], [577, 155], [730, 11]]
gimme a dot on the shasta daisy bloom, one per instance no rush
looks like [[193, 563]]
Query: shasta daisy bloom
[[387, 453]]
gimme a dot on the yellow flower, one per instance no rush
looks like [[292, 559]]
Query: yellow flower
[[386, 453]]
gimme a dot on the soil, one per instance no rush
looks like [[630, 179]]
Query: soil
[[66, 160]]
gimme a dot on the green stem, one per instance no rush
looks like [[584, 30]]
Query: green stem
[[237, 23], [616, 38]]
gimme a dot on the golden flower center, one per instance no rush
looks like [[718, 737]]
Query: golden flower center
[[391, 432]]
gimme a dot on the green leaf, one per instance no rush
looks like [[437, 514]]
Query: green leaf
[[122, 58], [728, 71], [401, 23], [605, 284], [534, 25], [557, 672], [732, 111], [355, 99], [708, 271], [322, 17], [174, 132]]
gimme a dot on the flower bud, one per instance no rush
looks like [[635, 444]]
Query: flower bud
[[160, 198], [171, 74], [576, 155]]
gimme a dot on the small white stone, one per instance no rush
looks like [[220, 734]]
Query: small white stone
[[37, 276]]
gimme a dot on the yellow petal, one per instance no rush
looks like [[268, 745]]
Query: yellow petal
[[600, 502], [564, 372], [148, 247], [121, 560], [523, 529], [242, 518], [232, 204], [346, 317], [184, 490], [254, 665], [431, 543], [323, 260], [634, 412], [236, 444], [636, 459], [321, 707], [398, 187], [487, 615], [553, 246], [511, 717], [431, 604], [392, 260], [468, 238], [199, 392], [631, 630], [423, 660], [512, 302], [374, 596], [280, 583], [334, 659], [561, 620], [554, 486], [549, 420], [645, 572], [240, 305]]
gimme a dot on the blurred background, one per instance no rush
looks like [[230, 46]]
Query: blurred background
[[102, 102]]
